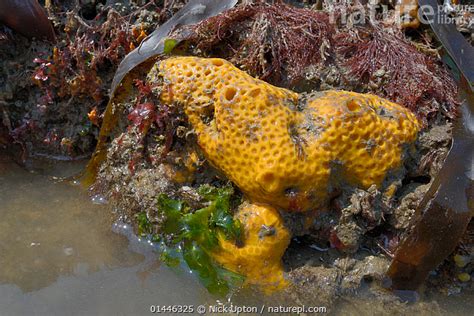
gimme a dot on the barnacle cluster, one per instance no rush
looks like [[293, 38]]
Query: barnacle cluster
[[282, 149]]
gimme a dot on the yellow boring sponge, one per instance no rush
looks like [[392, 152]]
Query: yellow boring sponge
[[365, 134], [281, 148], [265, 240]]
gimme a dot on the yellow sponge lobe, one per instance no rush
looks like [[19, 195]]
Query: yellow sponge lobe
[[282, 148], [264, 243]]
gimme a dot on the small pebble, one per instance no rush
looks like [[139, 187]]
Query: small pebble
[[461, 261], [380, 72], [464, 277], [68, 251], [99, 199]]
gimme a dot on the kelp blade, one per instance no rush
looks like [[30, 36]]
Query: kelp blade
[[193, 12], [454, 42], [447, 208], [26, 17], [444, 213]]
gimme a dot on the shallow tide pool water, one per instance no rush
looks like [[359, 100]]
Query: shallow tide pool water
[[59, 254]]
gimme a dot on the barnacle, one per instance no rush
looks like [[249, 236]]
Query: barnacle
[[264, 242], [279, 147]]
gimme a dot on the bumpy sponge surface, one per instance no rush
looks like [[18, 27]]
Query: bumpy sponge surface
[[281, 148], [264, 243]]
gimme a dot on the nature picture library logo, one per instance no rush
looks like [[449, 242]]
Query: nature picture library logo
[[405, 14], [447, 13]]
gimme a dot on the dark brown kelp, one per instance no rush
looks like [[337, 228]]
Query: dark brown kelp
[[453, 41], [448, 206], [27, 17], [444, 213]]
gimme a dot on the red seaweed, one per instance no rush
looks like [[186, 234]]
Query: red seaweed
[[73, 69], [279, 40], [278, 43], [416, 80]]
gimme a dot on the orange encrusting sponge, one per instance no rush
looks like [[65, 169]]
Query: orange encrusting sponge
[[264, 243], [281, 148]]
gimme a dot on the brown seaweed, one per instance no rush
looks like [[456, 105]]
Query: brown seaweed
[[447, 208], [453, 41], [27, 17], [443, 215]]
